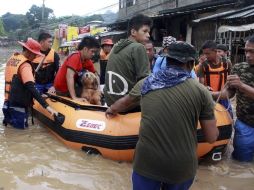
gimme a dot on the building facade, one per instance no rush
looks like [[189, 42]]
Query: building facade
[[188, 20], [128, 8]]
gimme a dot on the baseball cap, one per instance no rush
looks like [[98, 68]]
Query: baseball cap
[[107, 42]]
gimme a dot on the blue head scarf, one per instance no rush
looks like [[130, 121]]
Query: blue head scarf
[[165, 78]]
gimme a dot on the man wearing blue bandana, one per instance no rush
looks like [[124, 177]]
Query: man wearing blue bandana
[[172, 103]]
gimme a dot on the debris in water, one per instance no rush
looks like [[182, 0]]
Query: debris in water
[[221, 170]]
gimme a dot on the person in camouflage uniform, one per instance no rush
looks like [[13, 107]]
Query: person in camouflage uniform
[[241, 83]]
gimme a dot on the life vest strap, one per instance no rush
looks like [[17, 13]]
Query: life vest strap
[[207, 74], [222, 74], [214, 72], [226, 69], [220, 82]]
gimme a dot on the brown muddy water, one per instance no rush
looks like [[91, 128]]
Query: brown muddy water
[[34, 159]]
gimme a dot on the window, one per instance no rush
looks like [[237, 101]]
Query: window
[[122, 4], [130, 3]]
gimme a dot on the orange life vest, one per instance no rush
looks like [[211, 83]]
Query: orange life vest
[[11, 70], [103, 55], [103, 65], [216, 77], [49, 59], [47, 71]]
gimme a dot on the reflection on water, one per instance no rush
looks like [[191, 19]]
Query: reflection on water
[[34, 159]]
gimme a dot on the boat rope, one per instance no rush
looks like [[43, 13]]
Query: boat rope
[[76, 106], [225, 87]]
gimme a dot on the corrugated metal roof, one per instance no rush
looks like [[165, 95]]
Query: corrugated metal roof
[[197, 7], [249, 15], [244, 14], [214, 16], [236, 13]]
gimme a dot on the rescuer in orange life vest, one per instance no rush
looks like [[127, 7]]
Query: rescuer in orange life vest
[[20, 87], [213, 72], [106, 46], [44, 77]]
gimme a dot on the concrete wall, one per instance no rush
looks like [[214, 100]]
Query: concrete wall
[[148, 7], [178, 26], [182, 3], [203, 32]]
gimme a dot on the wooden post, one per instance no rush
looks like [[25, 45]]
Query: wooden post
[[189, 33], [230, 43], [216, 31]]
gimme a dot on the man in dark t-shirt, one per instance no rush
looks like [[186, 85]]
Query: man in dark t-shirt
[[171, 104]]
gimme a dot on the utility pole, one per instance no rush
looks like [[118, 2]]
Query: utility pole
[[177, 4], [42, 12], [43, 23]]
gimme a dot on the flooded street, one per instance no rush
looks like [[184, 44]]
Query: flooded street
[[34, 159]]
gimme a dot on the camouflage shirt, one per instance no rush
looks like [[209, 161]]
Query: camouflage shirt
[[245, 105]]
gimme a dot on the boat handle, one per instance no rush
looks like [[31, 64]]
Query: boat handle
[[216, 156]]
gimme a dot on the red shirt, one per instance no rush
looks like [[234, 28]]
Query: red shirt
[[74, 62]]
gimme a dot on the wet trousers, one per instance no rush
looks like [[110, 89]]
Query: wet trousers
[[143, 183], [43, 88], [15, 116], [243, 142]]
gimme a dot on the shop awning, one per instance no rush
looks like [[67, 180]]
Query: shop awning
[[112, 33], [241, 28]]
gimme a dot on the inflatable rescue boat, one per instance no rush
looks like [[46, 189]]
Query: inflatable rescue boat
[[83, 126]]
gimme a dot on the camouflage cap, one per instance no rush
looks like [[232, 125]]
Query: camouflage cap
[[167, 41], [182, 51]]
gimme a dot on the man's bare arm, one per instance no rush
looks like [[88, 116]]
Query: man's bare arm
[[210, 130], [123, 104]]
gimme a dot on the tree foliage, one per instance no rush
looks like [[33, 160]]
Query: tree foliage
[[13, 22], [34, 15], [19, 27], [2, 30]]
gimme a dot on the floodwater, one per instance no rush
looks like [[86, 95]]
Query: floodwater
[[34, 159]]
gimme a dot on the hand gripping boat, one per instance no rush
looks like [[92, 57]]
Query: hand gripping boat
[[85, 127]]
